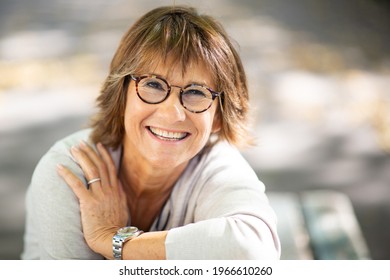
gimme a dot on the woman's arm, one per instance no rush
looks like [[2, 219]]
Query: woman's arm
[[227, 216]]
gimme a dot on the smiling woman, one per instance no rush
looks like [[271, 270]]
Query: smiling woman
[[158, 175]]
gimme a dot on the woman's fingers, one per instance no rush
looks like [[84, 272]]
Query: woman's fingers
[[103, 208], [112, 172], [73, 182], [91, 164]]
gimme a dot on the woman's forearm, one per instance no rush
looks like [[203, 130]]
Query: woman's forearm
[[150, 245]]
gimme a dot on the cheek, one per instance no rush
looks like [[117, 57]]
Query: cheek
[[215, 122], [207, 124], [132, 116], [134, 108]]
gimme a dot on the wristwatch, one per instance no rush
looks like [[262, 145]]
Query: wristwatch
[[122, 235]]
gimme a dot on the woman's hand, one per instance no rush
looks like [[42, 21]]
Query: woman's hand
[[103, 204]]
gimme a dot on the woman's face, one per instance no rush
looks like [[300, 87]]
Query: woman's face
[[166, 135]]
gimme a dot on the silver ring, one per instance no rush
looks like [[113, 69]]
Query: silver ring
[[93, 181]]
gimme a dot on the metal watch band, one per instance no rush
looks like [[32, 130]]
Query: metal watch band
[[118, 241]]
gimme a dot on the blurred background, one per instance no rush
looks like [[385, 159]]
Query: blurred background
[[319, 78]]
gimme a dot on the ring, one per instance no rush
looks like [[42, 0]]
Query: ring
[[93, 181]]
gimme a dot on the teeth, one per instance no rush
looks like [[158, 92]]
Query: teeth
[[167, 135]]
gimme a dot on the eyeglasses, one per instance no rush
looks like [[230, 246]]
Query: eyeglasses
[[153, 89]]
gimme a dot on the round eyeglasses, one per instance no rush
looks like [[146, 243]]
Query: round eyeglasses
[[153, 89]]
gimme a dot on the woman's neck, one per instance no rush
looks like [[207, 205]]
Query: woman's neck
[[141, 179], [146, 188]]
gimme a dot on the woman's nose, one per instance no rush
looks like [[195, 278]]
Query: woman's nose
[[171, 108]]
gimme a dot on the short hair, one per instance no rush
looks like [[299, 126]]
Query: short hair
[[181, 33]]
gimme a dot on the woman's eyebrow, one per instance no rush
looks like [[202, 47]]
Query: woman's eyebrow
[[196, 83]]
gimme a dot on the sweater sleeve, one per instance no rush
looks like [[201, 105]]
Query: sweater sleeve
[[53, 224], [232, 218]]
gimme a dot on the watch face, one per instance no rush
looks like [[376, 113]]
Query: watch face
[[127, 231]]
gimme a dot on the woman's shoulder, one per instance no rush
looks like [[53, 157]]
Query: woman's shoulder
[[59, 153], [52, 204]]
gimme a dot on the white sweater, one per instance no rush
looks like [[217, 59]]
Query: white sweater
[[217, 210]]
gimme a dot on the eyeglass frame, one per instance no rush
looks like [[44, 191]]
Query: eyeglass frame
[[214, 94]]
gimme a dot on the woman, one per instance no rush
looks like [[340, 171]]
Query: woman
[[160, 158]]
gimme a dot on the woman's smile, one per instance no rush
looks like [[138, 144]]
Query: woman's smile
[[168, 135]]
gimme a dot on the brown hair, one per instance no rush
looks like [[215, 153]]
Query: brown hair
[[178, 32]]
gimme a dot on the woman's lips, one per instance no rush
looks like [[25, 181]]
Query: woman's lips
[[167, 135]]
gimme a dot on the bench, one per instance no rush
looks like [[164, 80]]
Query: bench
[[318, 224]]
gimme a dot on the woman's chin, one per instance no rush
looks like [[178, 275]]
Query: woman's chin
[[166, 162]]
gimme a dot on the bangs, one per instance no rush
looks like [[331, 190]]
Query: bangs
[[177, 41]]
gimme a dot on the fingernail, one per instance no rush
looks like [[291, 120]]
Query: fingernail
[[83, 144], [60, 167], [75, 149]]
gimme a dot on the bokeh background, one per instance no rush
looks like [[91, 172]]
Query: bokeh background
[[319, 77]]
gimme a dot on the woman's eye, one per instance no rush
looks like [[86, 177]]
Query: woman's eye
[[154, 85], [195, 93]]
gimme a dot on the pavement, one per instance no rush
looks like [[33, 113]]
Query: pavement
[[318, 71]]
